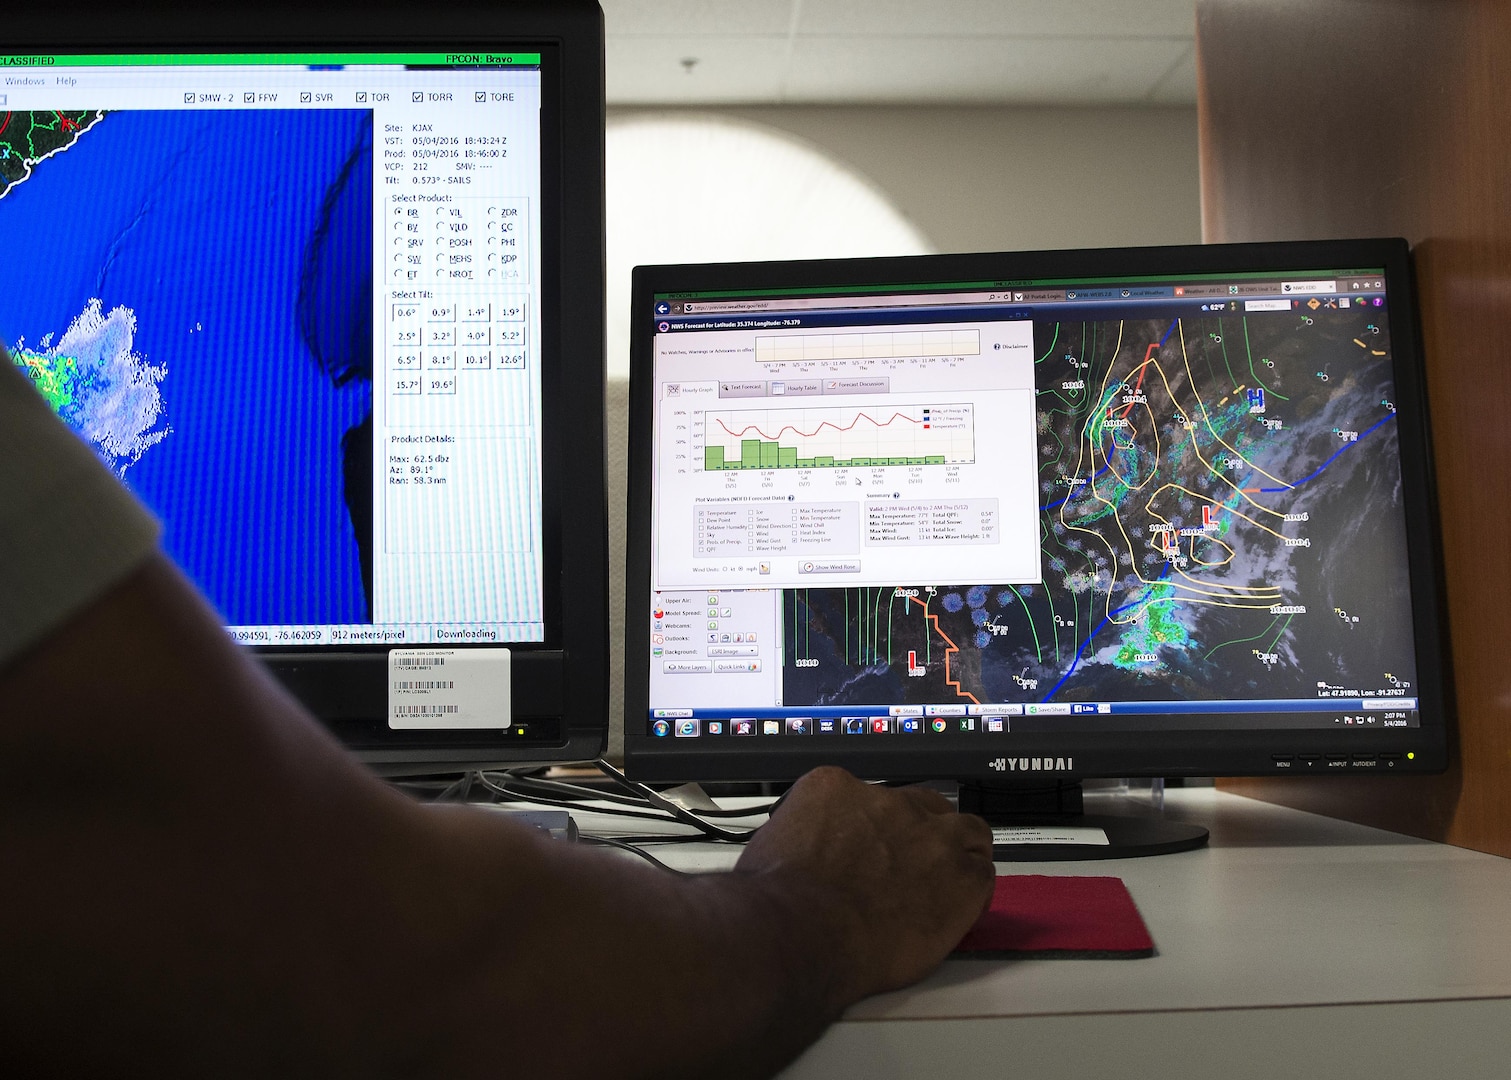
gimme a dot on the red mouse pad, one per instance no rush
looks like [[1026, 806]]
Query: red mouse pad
[[1034, 916]]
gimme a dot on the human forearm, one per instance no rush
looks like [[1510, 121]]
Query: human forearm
[[187, 850], [849, 891], [605, 965], [239, 887]]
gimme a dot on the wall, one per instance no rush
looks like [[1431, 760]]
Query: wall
[[975, 179], [1003, 179]]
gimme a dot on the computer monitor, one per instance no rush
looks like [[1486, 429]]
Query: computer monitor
[[1024, 518], [325, 288]]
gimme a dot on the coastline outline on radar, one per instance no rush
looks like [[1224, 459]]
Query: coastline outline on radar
[[28, 138], [92, 377]]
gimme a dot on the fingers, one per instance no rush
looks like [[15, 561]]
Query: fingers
[[926, 799], [823, 783], [975, 834], [903, 874], [832, 781], [828, 780], [828, 785]]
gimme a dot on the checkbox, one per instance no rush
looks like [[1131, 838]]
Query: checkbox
[[248, 97], [361, 95], [417, 96], [304, 97], [481, 95], [188, 99]]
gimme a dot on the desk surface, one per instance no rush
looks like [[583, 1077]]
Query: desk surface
[[1291, 940]]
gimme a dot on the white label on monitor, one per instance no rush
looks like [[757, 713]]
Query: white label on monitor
[[430, 689], [1049, 834]]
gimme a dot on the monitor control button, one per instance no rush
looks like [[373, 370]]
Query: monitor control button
[[1284, 761]]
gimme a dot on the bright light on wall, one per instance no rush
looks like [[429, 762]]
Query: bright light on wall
[[686, 187], [700, 188]]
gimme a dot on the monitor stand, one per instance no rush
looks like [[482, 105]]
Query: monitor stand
[[1048, 823]]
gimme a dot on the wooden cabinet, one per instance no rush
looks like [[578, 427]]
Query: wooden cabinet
[[1341, 118]]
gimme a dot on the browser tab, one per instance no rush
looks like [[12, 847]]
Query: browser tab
[[1091, 294]]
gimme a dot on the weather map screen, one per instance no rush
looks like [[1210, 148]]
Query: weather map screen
[[1094, 511], [293, 301]]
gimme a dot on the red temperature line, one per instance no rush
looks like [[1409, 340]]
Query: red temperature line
[[815, 431], [1144, 367], [6, 122]]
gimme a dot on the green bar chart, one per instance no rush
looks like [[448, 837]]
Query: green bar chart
[[837, 437]]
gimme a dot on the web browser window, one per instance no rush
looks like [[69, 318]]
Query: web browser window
[[294, 301], [970, 508]]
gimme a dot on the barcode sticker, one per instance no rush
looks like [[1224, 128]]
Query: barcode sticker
[[1078, 835], [408, 661], [449, 688]]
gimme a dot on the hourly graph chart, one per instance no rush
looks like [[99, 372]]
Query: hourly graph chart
[[830, 438]]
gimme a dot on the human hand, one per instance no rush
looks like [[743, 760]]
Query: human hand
[[894, 875]]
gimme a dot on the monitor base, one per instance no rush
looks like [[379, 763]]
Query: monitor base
[[1049, 824], [1127, 837]]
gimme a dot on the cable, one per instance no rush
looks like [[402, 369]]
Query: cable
[[570, 804], [651, 839], [574, 790], [459, 790], [655, 799], [749, 811], [566, 787], [509, 785], [657, 808], [425, 788], [512, 785], [622, 846]]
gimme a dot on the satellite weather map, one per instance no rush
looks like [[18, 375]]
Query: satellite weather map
[[1204, 487], [196, 304]]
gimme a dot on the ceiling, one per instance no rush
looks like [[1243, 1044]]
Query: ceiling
[[935, 52]]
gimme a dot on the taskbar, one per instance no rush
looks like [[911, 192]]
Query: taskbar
[[1362, 713], [406, 634]]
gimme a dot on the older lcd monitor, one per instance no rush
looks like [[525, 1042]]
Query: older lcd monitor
[[1027, 517], [325, 290]]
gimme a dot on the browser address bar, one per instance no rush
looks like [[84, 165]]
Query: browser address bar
[[727, 307]]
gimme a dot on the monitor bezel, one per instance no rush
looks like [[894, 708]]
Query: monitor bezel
[[562, 682], [1072, 754]]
